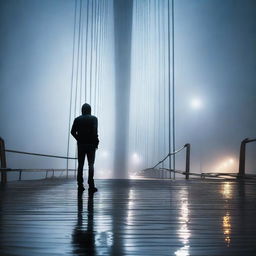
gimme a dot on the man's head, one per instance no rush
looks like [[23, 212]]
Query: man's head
[[86, 109]]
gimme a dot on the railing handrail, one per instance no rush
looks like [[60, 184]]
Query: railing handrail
[[3, 164], [242, 158], [247, 140], [170, 154], [39, 154], [35, 170]]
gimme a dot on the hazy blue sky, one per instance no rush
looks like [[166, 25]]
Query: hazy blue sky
[[216, 61], [35, 55]]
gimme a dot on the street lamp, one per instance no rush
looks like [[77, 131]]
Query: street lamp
[[196, 103]]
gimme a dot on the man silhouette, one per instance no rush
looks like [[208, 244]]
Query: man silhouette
[[85, 131]]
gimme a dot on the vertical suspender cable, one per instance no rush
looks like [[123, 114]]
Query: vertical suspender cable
[[136, 54], [81, 58], [78, 55], [81, 39], [156, 70], [169, 87], [77, 66], [159, 78], [71, 83], [148, 82], [100, 56], [165, 89], [86, 51], [105, 20], [101, 18], [173, 89], [96, 54], [135, 30], [91, 57]]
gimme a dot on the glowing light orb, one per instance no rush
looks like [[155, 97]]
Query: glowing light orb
[[231, 161], [196, 103], [136, 158], [227, 165]]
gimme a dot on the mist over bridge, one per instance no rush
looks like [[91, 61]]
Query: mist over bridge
[[78, 48], [159, 75]]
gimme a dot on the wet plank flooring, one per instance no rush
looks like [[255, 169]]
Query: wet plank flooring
[[128, 217]]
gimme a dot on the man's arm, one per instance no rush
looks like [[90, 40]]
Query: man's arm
[[74, 130], [95, 132]]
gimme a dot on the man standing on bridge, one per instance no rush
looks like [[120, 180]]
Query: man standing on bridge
[[85, 131]]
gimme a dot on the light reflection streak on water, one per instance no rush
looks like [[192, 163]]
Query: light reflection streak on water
[[227, 190], [104, 234], [130, 206], [130, 218], [184, 232], [226, 223], [227, 193]]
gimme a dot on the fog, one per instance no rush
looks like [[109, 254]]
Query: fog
[[48, 70]]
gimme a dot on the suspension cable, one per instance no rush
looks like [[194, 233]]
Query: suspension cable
[[173, 88], [71, 84], [169, 84]]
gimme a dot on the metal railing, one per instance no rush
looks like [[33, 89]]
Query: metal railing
[[39, 154], [242, 157], [187, 167], [187, 173], [240, 175], [241, 170], [3, 162]]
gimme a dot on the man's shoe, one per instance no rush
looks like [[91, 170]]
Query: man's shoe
[[92, 189]]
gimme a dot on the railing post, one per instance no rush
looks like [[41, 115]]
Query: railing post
[[241, 173], [187, 160], [3, 161]]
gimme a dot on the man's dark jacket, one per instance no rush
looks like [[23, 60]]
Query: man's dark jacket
[[85, 127]]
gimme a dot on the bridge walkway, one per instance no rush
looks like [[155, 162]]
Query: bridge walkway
[[128, 217]]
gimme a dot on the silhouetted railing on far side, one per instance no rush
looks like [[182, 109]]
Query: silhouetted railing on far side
[[240, 174], [187, 166]]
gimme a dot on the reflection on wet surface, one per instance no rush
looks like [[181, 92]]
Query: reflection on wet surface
[[226, 190], [130, 207], [84, 235], [184, 232], [227, 228], [129, 217], [226, 223]]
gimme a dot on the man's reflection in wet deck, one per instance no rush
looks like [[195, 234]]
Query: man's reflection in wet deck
[[84, 239]]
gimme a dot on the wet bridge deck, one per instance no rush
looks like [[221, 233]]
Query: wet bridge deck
[[128, 217]]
